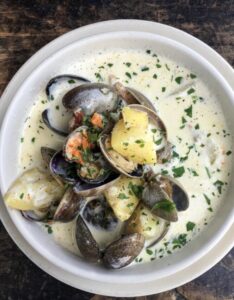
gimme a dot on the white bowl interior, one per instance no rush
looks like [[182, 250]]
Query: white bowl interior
[[9, 143]]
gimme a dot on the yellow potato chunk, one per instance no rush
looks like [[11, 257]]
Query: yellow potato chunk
[[122, 196], [135, 144], [134, 118], [34, 189], [144, 222]]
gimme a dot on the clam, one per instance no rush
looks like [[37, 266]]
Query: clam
[[98, 213], [117, 161], [175, 191], [91, 98], [62, 169], [85, 189], [158, 201], [120, 163], [85, 241], [46, 119], [122, 252], [69, 206], [60, 79]]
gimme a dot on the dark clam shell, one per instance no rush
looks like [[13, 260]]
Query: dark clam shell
[[62, 169], [47, 154], [158, 201], [86, 189], [122, 252], [91, 97], [48, 123], [175, 191], [69, 207], [98, 213], [85, 241], [57, 79]]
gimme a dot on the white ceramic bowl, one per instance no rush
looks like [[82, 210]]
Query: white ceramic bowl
[[9, 142]]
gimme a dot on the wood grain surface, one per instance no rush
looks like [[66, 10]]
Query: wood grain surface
[[25, 27]]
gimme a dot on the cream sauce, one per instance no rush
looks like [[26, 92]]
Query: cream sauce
[[195, 123]]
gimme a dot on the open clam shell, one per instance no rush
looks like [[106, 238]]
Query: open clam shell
[[117, 161], [120, 163], [62, 169], [157, 200], [69, 206], [84, 189], [99, 214], [86, 242], [91, 98]]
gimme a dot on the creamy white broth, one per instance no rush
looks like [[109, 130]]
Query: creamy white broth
[[196, 127]]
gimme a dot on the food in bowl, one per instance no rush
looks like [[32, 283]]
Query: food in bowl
[[135, 165]]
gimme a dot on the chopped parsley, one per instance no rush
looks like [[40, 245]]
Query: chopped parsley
[[33, 140], [128, 75], [163, 89], [189, 111], [158, 66], [110, 65], [219, 184], [22, 140], [175, 154], [197, 126], [229, 152], [180, 241], [178, 172], [21, 196], [166, 65], [144, 69], [154, 130], [49, 229], [128, 64], [207, 199], [122, 196], [192, 76], [140, 142], [148, 51], [178, 79], [193, 172], [71, 81], [98, 76], [148, 251], [135, 189], [208, 172], [190, 91], [155, 76], [158, 142], [190, 226], [165, 204]]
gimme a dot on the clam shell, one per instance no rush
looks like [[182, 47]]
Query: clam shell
[[122, 252], [69, 206], [91, 97], [85, 241]]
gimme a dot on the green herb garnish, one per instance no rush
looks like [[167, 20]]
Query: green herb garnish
[[178, 79], [190, 226], [178, 172]]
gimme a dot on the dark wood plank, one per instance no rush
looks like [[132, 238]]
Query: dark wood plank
[[25, 27]]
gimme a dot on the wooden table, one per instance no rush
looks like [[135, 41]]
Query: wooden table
[[26, 26]]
